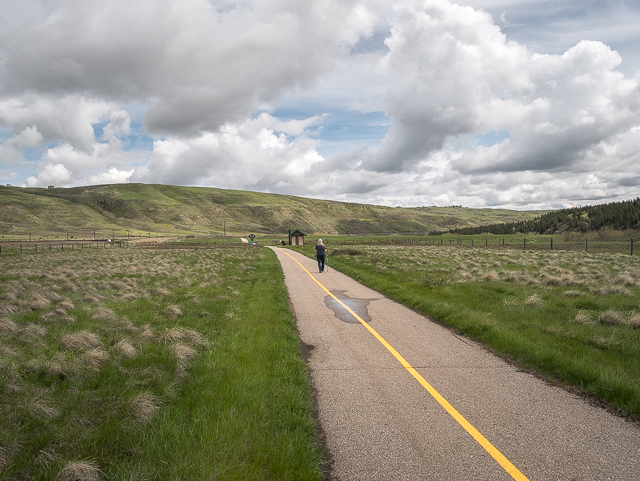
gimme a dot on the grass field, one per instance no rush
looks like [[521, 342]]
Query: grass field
[[570, 315], [141, 364]]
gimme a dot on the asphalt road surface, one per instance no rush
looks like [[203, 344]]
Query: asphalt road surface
[[421, 403]]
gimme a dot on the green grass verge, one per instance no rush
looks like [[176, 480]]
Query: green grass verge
[[572, 316], [142, 364]]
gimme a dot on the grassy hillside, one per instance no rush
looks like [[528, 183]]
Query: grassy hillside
[[171, 210]]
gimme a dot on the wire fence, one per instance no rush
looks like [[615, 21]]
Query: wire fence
[[591, 246], [35, 247]]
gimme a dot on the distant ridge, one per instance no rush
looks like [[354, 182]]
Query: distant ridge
[[616, 216], [141, 209]]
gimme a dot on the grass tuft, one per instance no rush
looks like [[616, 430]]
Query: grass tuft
[[611, 317], [144, 407], [534, 300], [184, 355], [38, 301], [39, 409], [126, 348], [491, 276], [583, 317], [103, 314], [7, 327], [173, 312], [79, 471], [79, 340], [95, 357]]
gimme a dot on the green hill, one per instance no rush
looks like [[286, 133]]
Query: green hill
[[617, 216], [145, 209]]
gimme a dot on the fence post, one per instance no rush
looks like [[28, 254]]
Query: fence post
[[586, 244], [552, 243], [631, 247]]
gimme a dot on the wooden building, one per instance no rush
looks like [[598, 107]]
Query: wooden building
[[296, 238]]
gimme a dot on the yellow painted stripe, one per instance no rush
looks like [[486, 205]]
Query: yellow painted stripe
[[484, 442]]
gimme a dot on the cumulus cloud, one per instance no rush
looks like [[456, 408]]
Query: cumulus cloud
[[456, 74], [249, 94], [264, 153], [199, 64], [51, 174], [68, 119]]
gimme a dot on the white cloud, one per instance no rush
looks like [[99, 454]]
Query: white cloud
[[200, 64], [113, 176], [28, 137], [51, 174], [478, 115], [455, 74], [68, 119], [261, 153]]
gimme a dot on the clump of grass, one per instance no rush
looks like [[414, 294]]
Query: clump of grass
[[32, 330], [67, 305], [79, 340], [95, 357], [620, 290], [184, 355], [572, 293], [57, 366], [69, 287], [79, 471], [534, 300], [103, 313], [624, 280], [39, 409], [7, 327], [147, 333], [144, 407], [634, 320], [6, 454], [126, 348], [605, 342], [491, 276], [38, 301], [173, 312], [611, 317], [584, 317]]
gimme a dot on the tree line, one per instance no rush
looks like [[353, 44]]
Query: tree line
[[616, 215]]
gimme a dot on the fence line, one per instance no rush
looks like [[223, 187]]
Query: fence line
[[71, 245], [620, 247]]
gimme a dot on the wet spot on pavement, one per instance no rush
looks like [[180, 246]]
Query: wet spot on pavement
[[359, 306]]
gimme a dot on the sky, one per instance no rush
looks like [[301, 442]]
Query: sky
[[518, 104]]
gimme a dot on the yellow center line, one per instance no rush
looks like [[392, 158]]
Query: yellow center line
[[484, 442]]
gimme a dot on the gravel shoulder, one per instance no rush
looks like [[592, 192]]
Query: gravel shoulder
[[380, 423]]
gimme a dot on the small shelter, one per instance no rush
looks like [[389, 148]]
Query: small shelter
[[296, 238]]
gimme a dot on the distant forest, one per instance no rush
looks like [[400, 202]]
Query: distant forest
[[617, 216]]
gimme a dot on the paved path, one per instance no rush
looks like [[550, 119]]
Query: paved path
[[382, 424]]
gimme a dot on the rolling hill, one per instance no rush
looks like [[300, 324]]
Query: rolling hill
[[142, 209]]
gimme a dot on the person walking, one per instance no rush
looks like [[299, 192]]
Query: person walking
[[320, 252]]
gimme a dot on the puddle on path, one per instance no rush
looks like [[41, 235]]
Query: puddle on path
[[359, 306]]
